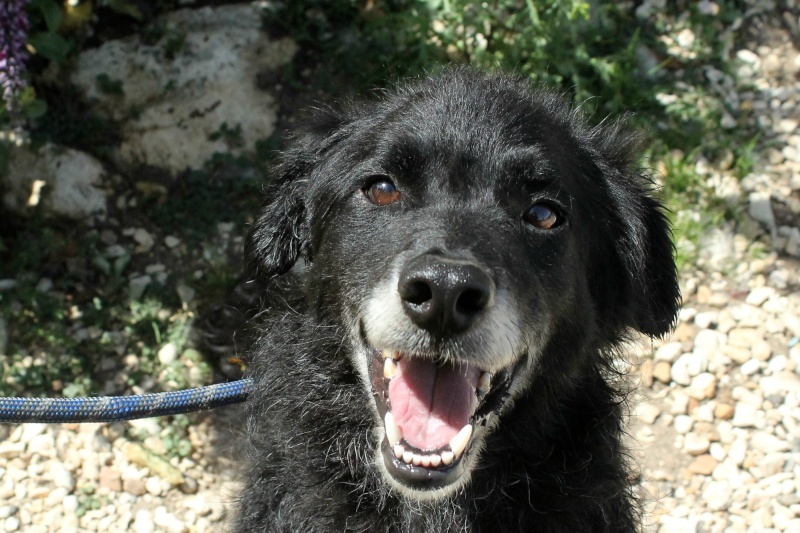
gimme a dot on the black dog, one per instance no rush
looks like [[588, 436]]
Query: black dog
[[472, 254]]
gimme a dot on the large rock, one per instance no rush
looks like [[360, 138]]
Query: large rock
[[193, 92], [65, 182]]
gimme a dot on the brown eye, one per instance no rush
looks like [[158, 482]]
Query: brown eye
[[543, 215], [382, 192]]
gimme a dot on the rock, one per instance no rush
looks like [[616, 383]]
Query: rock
[[168, 521], [135, 487], [723, 411], [759, 295], [768, 443], [43, 445], [695, 444], [171, 241], [750, 367], [774, 156], [683, 424], [680, 403], [716, 249], [748, 57], [761, 350], [110, 478], [703, 386], [761, 210], [64, 181], [703, 465], [153, 486], [12, 523], [744, 337], [647, 412], [686, 367], [669, 352], [780, 383], [717, 495], [137, 286], [792, 246], [744, 416], [185, 293], [706, 319], [168, 354], [144, 239], [194, 99], [144, 523], [62, 477], [662, 371], [737, 355]]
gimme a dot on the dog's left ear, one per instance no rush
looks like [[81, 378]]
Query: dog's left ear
[[281, 234], [651, 269], [641, 286]]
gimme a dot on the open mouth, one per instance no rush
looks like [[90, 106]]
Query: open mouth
[[432, 413]]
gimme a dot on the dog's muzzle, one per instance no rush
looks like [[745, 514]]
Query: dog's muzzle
[[431, 390]]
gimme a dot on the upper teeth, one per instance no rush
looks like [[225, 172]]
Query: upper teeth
[[393, 432], [389, 368], [459, 442], [485, 382], [388, 354]]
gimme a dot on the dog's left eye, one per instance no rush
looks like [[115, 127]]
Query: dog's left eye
[[382, 192], [543, 215]]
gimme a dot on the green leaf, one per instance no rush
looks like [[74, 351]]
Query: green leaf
[[34, 109], [125, 7], [51, 12], [50, 46]]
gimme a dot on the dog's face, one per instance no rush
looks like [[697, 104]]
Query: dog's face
[[457, 230]]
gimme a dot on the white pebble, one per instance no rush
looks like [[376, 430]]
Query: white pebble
[[750, 367], [683, 424], [143, 523], [153, 486]]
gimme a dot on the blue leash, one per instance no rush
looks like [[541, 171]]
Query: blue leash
[[117, 408]]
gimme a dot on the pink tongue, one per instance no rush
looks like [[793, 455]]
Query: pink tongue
[[431, 403]]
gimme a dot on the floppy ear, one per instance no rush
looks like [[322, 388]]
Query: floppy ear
[[640, 284], [652, 273], [280, 234]]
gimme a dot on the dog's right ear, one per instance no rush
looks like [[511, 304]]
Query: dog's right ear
[[280, 234]]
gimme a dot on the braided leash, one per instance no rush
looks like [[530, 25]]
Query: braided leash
[[118, 408]]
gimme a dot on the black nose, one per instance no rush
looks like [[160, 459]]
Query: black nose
[[444, 295]]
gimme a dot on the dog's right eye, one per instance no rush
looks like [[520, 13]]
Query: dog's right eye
[[382, 192], [543, 215]]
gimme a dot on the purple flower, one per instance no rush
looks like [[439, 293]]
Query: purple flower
[[13, 33]]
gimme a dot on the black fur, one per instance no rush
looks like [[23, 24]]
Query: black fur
[[554, 462]]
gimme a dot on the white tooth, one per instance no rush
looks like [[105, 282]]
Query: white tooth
[[447, 457], [398, 451], [393, 433], [407, 456], [416, 459], [389, 368], [386, 354], [485, 382], [436, 460], [426, 461], [460, 441]]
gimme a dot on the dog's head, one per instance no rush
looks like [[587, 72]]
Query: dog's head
[[468, 232]]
